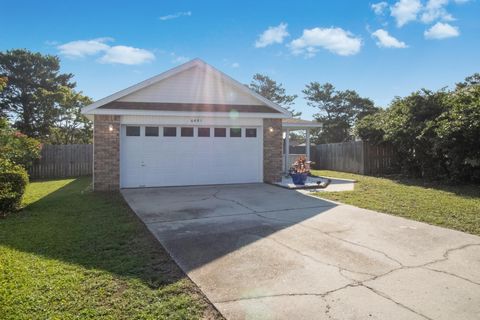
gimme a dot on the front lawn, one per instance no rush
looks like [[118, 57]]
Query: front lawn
[[455, 207], [74, 254]]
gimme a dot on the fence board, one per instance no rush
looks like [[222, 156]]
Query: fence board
[[354, 157], [62, 161], [378, 159]]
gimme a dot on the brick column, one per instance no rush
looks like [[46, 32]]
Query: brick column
[[272, 150], [106, 153]]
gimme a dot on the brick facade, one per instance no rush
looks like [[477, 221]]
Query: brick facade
[[106, 153], [272, 150]]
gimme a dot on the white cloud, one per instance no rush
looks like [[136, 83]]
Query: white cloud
[[434, 10], [441, 31], [235, 65], [272, 35], [82, 48], [385, 40], [405, 11], [126, 55], [110, 54], [175, 15], [335, 40], [379, 8]]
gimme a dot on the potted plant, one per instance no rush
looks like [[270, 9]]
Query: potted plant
[[300, 170]]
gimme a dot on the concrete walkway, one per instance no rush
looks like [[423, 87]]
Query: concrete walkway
[[311, 184], [262, 252]]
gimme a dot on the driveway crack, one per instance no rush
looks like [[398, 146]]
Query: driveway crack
[[215, 195], [362, 246], [351, 285], [383, 295], [337, 238], [451, 274], [447, 253], [340, 269]]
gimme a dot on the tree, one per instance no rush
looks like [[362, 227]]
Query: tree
[[338, 110], [33, 79], [434, 134], [458, 134], [71, 126], [470, 81], [371, 127], [274, 92], [408, 125]]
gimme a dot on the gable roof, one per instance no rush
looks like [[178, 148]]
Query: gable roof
[[172, 72]]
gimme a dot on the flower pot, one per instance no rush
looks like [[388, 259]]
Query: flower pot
[[299, 178]]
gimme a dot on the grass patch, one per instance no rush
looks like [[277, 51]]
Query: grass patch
[[455, 207], [75, 254]]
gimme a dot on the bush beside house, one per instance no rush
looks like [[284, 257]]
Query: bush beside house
[[17, 152], [13, 181]]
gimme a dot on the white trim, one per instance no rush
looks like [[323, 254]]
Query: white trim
[[301, 125], [307, 143], [126, 112], [122, 131], [93, 155], [262, 164], [287, 149], [196, 62], [190, 121]]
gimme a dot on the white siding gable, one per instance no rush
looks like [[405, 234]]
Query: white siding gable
[[194, 85]]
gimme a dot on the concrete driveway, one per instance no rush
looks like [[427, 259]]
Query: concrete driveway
[[261, 252]]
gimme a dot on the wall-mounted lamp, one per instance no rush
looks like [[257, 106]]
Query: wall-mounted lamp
[[270, 129], [110, 128]]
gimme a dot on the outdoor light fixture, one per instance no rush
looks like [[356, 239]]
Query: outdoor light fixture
[[270, 129], [110, 128]]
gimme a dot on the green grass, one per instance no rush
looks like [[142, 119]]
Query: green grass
[[75, 254], [455, 207]]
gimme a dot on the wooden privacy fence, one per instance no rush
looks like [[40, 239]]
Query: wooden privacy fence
[[355, 157], [61, 161], [378, 159]]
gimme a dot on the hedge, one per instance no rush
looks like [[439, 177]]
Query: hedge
[[13, 181]]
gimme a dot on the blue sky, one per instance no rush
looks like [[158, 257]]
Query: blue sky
[[382, 49]]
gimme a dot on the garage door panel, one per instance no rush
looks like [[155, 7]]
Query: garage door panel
[[177, 161]]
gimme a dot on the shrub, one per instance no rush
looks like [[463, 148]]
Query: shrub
[[13, 181], [17, 147], [458, 132]]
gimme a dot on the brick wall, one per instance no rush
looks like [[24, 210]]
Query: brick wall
[[272, 150], [106, 153]]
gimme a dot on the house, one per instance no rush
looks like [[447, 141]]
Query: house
[[191, 125]]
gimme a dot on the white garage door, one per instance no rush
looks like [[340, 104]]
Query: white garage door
[[154, 156]]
